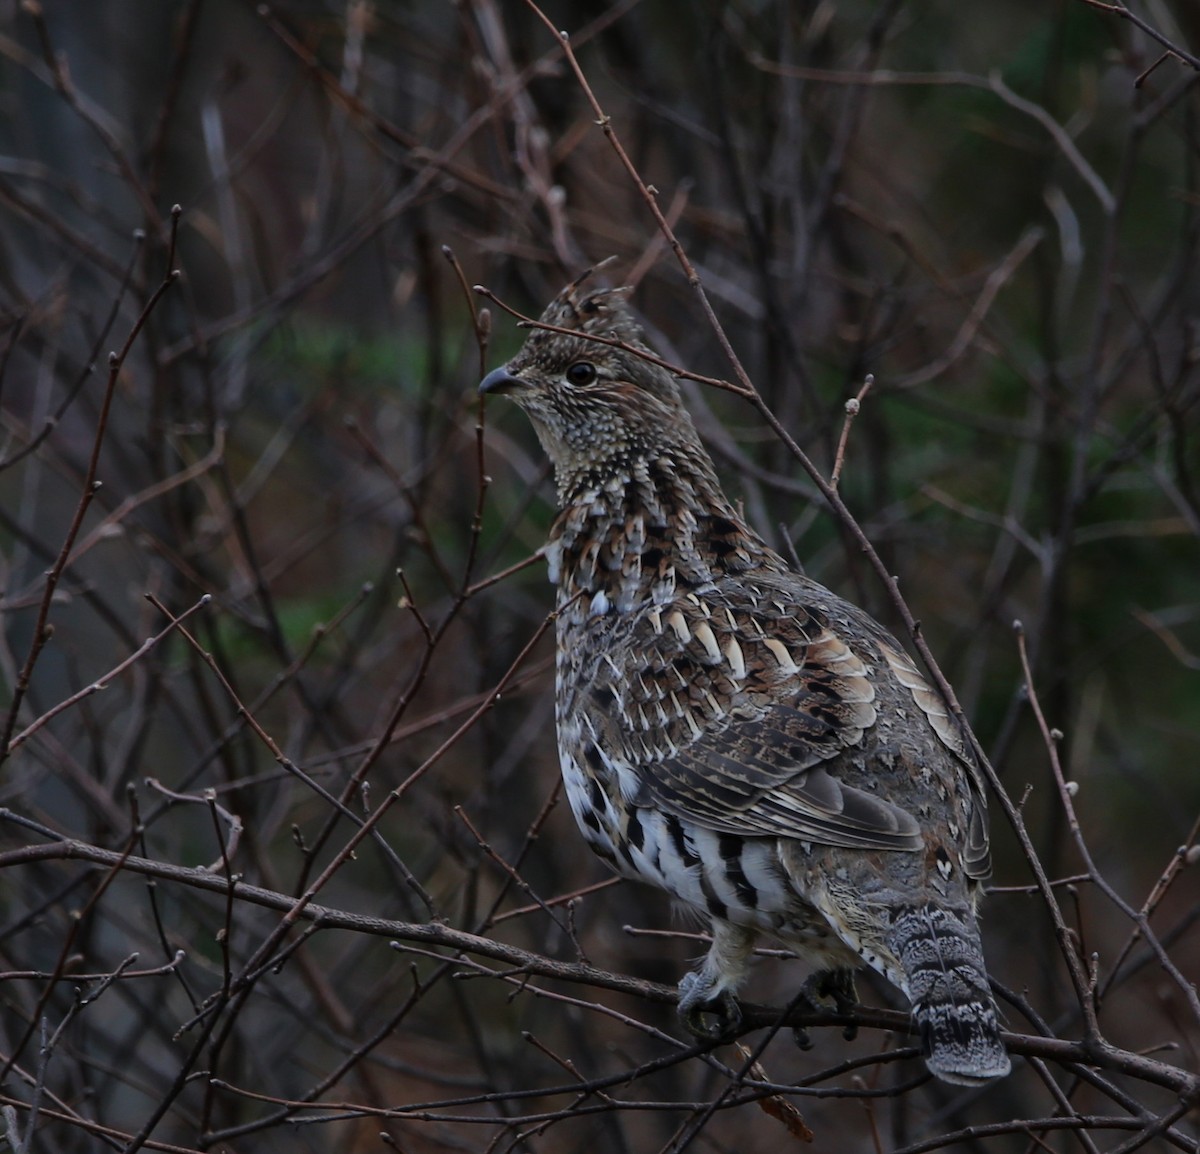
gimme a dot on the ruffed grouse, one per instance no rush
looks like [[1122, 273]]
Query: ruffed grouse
[[730, 730]]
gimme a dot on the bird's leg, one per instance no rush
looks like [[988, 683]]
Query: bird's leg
[[837, 984], [711, 988]]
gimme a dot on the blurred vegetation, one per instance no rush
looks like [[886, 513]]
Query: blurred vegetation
[[992, 209]]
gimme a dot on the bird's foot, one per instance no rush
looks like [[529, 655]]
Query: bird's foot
[[696, 1002], [838, 985]]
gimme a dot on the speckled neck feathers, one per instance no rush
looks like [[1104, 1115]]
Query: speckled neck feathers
[[657, 527]]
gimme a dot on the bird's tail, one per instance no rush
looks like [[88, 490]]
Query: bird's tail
[[942, 961]]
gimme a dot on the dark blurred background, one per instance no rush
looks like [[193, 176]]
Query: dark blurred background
[[993, 209]]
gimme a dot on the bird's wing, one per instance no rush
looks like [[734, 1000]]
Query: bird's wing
[[735, 714], [976, 847]]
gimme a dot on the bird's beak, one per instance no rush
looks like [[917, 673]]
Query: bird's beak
[[499, 381]]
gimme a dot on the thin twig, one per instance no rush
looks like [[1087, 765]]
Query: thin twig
[[852, 407], [104, 681], [116, 361]]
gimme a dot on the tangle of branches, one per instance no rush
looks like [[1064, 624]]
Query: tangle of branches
[[283, 863]]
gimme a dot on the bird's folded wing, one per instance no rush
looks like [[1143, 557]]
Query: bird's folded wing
[[733, 715], [742, 779]]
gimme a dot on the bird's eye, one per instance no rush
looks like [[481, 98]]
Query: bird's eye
[[581, 373]]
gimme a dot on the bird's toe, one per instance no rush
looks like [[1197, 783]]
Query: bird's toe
[[705, 1015]]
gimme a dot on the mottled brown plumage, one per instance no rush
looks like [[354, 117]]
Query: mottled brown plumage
[[732, 731]]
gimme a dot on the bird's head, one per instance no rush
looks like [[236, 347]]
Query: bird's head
[[596, 405]]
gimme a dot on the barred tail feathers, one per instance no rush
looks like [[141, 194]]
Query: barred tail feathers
[[947, 983]]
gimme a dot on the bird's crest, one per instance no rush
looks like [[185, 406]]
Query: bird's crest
[[594, 310]]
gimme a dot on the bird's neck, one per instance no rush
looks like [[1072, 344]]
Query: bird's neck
[[657, 526]]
